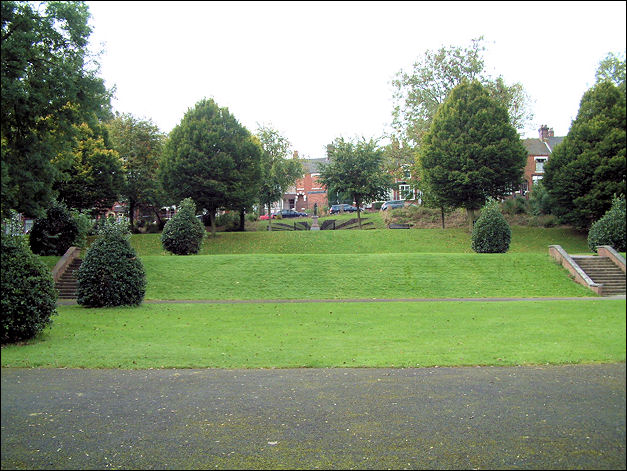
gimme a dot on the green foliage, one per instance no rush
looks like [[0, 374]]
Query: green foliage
[[111, 273], [139, 144], [356, 168], [610, 229], [278, 172], [95, 177], [28, 294], [420, 92], [228, 220], [588, 168], [49, 84], [183, 234], [211, 158], [540, 200], [515, 205], [54, 233], [612, 68], [471, 151], [491, 232], [85, 224]]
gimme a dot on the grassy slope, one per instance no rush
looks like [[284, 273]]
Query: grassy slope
[[454, 240], [329, 335], [337, 276]]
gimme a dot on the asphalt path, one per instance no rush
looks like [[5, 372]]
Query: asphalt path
[[532, 417]]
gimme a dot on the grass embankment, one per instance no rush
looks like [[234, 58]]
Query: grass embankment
[[345, 276], [329, 335], [455, 240]]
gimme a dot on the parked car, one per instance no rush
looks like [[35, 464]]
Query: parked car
[[290, 213], [337, 208], [265, 217], [393, 204]]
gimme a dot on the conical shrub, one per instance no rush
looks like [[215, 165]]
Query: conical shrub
[[183, 234], [29, 298], [111, 273], [491, 232]]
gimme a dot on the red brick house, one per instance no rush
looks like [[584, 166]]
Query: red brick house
[[538, 153], [307, 191]]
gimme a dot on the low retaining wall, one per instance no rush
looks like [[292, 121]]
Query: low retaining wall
[[66, 260], [559, 254], [616, 258]]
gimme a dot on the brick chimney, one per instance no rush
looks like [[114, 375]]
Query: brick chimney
[[545, 132]]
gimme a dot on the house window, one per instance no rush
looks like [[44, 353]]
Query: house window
[[540, 164], [405, 192], [536, 178]]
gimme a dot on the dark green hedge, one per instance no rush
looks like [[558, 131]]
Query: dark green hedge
[[491, 232], [54, 233], [610, 229], [111, 273], [28, 294], [184, 233]]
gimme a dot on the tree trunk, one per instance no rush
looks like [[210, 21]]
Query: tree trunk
[[358, 212], [242, 220], [442, 214], [471, 213], [131, 214], [212, 217], [269, 218]]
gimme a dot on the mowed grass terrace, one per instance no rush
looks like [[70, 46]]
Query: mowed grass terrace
[[342, 265]]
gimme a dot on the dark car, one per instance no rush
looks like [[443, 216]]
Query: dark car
[[337, 208], [392, 204], [290, 213]]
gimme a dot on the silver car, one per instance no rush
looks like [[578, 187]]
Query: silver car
[[392, 204]]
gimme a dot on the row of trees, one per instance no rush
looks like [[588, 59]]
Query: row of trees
[[456, 127], [60, 139]]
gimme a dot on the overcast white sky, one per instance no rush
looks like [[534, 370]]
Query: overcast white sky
[[319, 70]]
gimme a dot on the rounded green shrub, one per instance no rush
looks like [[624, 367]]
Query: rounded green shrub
[[29, 298], [111, 273], [610, 229], [491, 232], [183, 234], [54, 233]]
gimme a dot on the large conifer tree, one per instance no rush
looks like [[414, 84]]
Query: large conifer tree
[[211, 158], [471, 151], [587, 169]]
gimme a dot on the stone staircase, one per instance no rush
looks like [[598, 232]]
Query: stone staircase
[[603, 271], [67, 284]]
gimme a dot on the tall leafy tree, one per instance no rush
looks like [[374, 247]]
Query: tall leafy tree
[[471, 151], [48, 85], [357, 168], [421, 91], [612, 68], [95, 177], [204, 158], [139, 143], [278, 170], [588, 168]]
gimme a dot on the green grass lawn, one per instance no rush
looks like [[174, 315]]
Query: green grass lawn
[[329, 335], [453, 240], [345, 276]]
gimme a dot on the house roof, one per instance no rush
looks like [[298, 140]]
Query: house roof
[[535, 146], [313, 165], [554, 141]]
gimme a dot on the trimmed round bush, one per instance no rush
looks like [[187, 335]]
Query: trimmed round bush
[[610, 229], [111, 273], [183, 234], [491, 232], [29, 298], [54, 233]]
